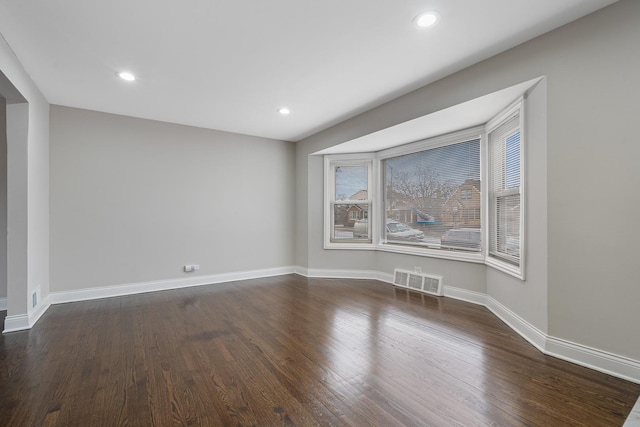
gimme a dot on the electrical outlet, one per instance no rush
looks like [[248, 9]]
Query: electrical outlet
[[191, 267]]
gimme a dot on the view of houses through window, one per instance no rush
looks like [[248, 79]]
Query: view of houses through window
[[436, 192], [428, 195], [351, 205], [432, 199]]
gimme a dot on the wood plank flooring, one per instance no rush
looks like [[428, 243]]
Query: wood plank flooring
[[291, 351]]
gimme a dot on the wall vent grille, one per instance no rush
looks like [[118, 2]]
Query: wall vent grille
[[419, 282]]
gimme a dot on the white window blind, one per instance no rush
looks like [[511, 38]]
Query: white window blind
[[505, 190], [435, 194]]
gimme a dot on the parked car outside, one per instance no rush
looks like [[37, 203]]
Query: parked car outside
[[361, 229], [395, 231], [512, 246], [399, 231], [461, 238]]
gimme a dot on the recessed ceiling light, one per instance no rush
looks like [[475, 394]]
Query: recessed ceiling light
[[426, 19], [125, 75], [284, 111]]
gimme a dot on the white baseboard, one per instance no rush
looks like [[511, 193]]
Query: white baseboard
[[465, 295], [603, 361], [14, 323], [526, 330], [22, 322], [612, 364], [3, 304], [599, 360], [162, 285]]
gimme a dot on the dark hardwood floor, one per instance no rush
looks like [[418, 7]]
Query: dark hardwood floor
[[291, 351]]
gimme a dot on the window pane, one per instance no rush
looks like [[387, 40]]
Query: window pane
[[504, 151], [512, 161], [352, 183], [504, 185], [508, 226], [432, 192], [350, 221]]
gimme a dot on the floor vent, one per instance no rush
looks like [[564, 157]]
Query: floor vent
[[419, 282]]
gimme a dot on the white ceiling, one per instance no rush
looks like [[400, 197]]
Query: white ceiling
[[472, 113], [229, 65]]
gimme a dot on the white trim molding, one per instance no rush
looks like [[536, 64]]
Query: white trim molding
[[526, 330], [18, 322], [465, 295], [599, 360], [21, 322], [596, 359], [163, 285]]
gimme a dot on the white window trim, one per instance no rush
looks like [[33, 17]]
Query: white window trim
[[427, 144], [330, 163], [473, 257], [518, 271], [374, 160]]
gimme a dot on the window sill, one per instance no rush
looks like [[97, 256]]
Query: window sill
[[507, 268], [478, 258], [409, 250], [431, 253], [364, 246]]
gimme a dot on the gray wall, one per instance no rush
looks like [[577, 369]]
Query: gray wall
[[3, 197], [582, 277], [27, 187], [529, 298], [593, 178], [134, 200]]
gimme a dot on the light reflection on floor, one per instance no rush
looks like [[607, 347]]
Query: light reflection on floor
[[378, 343]]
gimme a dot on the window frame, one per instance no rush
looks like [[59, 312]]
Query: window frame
[[451, 138], [330, 164], [377, 217], [501, 261]]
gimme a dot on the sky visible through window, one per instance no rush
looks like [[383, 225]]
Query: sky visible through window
[[350, 180]]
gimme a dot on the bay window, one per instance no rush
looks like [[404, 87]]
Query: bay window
[[457, 196]]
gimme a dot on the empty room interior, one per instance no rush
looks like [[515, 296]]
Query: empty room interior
[[416, 213]]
